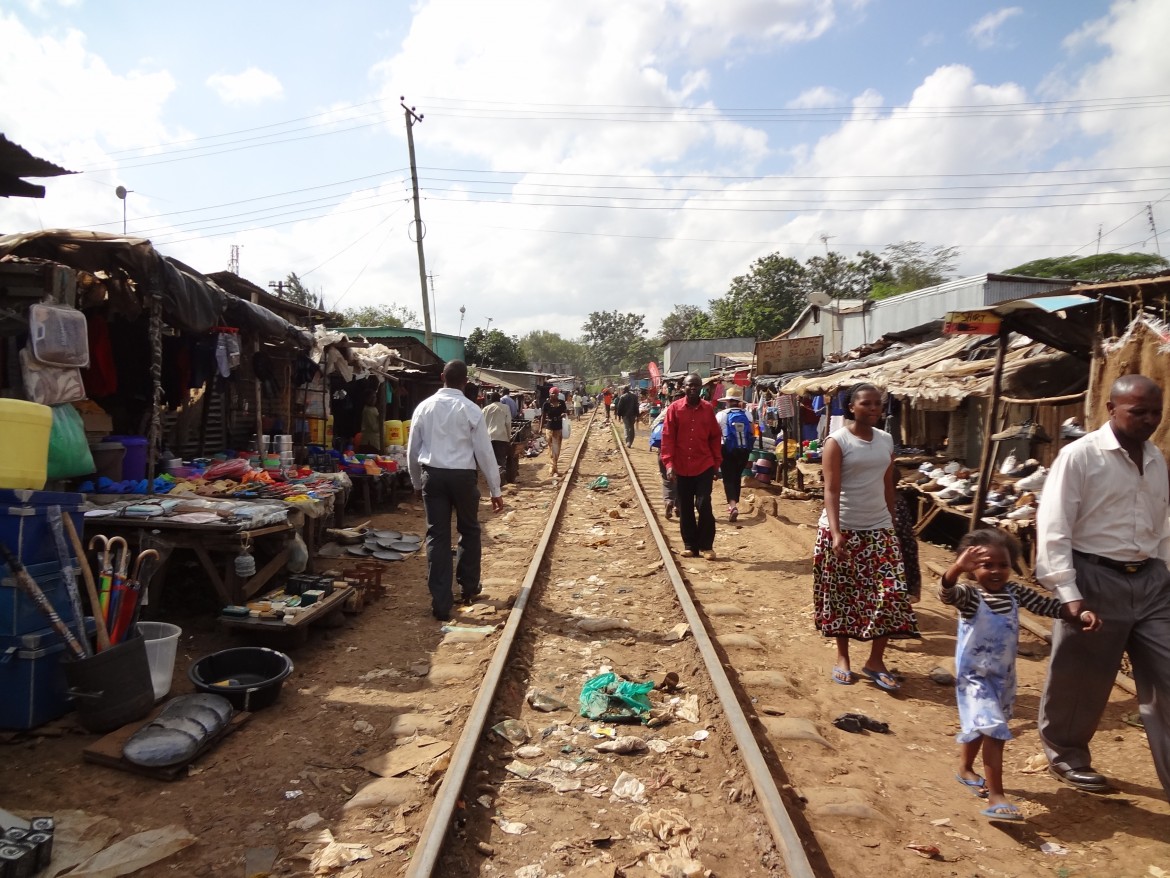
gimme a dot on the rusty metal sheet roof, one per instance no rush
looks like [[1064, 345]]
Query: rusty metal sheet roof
[[17, 162]]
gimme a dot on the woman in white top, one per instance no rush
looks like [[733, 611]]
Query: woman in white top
[[859, 580]]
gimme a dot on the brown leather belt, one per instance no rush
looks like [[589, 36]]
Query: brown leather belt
[[1127, 567]]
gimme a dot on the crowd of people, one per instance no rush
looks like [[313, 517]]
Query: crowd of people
[[1103, 541]]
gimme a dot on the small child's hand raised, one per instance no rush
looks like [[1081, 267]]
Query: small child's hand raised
[[970, 559], [1089, 620]]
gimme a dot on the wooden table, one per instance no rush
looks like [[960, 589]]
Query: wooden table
[[300, 623], [214, 545]]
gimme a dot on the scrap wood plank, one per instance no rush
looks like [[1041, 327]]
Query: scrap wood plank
[[107, 751]]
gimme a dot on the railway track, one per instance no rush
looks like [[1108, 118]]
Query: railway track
[[535, 789]]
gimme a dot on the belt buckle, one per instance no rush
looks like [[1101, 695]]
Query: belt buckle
[[1133, 568]]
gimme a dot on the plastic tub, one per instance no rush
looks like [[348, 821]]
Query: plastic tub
[[249, 677], [25, 427], [107, 459], [162, 643], [134, 463]]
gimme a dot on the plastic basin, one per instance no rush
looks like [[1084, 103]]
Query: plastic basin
[[162, 642], [249, 677]]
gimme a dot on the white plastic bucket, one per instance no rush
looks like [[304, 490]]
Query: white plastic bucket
[[162, 643]]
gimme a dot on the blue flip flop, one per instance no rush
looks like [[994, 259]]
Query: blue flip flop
[[978, 786], [1003, 811], [882, 679], [843, 677]]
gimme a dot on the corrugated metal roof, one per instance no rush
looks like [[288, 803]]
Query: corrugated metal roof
[[17, 162]]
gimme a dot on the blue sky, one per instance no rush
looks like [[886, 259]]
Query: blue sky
[[603, 155]]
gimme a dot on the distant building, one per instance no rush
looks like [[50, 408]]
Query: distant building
[[846, 324], [701, 355]]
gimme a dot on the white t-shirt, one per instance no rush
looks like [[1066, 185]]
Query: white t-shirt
[[863, 480]]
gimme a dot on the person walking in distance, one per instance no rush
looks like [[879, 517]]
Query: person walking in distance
[[510, 402], [627, 411], [735, 422], [607, 400], [448, 440], [859, 579], [578, 405], [552, 418], [692, 450], [499, 427], [1103, 540]]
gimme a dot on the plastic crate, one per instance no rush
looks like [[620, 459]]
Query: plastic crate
[[24, 524], [32, 680], [19, 614]]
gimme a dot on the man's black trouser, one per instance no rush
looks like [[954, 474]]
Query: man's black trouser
[[444, 490], [696, 521], [732, 467]]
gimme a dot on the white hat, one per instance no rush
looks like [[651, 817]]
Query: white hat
[[733, 393]]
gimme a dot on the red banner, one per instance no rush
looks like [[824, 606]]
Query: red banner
[[655, 375]]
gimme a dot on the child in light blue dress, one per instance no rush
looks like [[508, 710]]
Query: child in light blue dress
[[985, 656]]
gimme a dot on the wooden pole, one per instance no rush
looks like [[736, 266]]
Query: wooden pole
[[985, 458]]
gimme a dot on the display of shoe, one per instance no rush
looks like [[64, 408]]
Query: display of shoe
[[996, 512], [953, 467], [958, 489], [1024, 513], [1025, 469], [926, 467], [932, 485], [1025, 499], [1009, 464], [1034, 482], [947, 480], [1028, 430]]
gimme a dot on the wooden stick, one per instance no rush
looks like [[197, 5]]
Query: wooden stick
[[103, 635], [29, 586]]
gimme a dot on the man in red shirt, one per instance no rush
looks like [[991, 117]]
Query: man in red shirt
[[692, 450]]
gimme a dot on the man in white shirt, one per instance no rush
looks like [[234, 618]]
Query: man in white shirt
[[1103, 543], [499, 427], [448, 440]]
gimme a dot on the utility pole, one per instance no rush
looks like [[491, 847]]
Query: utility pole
[[277, 285], [434, 299], [825, 238], [1099, 227], [234, 259], [411, 118], [1153, 228]]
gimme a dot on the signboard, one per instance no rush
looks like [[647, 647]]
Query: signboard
[[971, 323], [784, 355]]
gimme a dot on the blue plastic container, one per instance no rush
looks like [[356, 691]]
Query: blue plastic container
[[134, 463], [24, 524], [32, 679], [19, 614]]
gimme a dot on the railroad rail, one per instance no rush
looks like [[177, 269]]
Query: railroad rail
[[454, 791]]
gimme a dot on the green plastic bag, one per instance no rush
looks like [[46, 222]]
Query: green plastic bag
[[69, 453], [610, 699], [601, 483]]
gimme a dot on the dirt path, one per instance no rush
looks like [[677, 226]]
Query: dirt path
[[385, 674]]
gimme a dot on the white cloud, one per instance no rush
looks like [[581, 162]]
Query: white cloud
[[819, 96], [253, 86], [985, 32]]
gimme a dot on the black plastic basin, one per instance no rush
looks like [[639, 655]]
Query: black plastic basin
[[249, 677]]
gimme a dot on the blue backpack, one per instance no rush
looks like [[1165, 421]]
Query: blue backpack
[[656, 434], [737, 430]]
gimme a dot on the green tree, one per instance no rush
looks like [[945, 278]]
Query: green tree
[[765, 301], [542, 346], [609, 336], [380, 315], [844, 278], [686, 321], [296, 292], [494, 349], [914, 266], [1100, 268], [641, 351]]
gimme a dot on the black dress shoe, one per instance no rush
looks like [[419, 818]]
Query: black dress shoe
[[442, 616], [1082, 778]]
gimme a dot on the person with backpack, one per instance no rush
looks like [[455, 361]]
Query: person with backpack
[[735, 422], [627, 410], [669, 496]]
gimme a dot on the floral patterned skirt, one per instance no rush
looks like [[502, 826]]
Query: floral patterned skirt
[[865, 596]]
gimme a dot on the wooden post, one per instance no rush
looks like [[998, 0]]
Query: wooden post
[[204, 415], [989, 419]]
